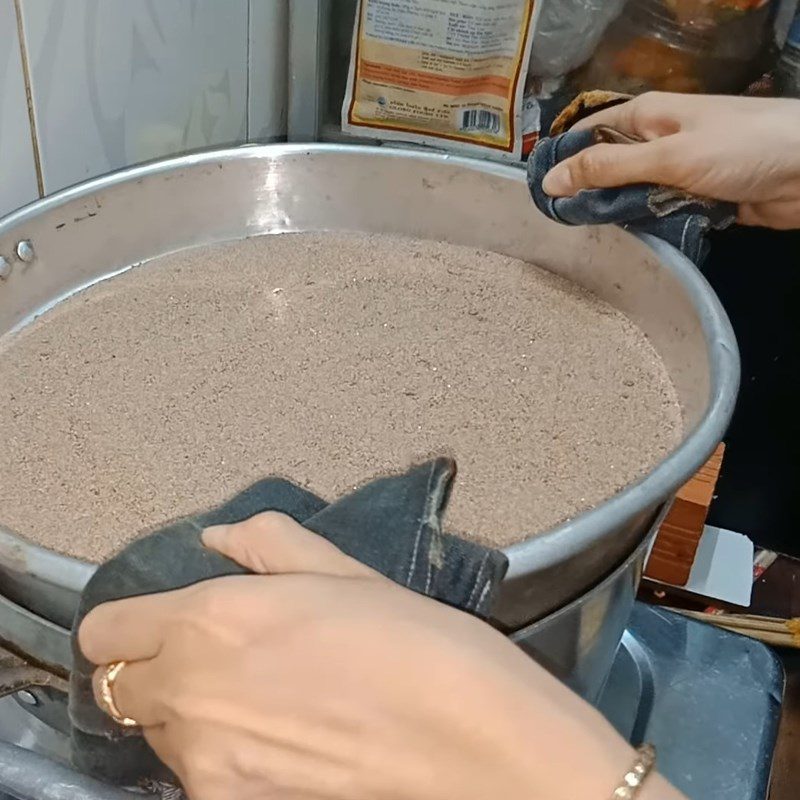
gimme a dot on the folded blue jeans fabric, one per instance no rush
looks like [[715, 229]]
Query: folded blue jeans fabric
[[392, 524], [679, 218]]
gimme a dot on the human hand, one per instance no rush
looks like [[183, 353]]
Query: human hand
[[319, 678], [743, 150]]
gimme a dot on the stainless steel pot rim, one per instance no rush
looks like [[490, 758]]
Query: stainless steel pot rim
[[50, 643], [553, 546]]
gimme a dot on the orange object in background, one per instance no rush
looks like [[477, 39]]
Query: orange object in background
[[690, 46], [660, 66], [678, 538], [699, 10]]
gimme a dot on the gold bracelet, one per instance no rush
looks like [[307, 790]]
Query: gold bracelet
[[636, 776]]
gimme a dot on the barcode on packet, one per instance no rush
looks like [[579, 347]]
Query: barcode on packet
[[479, 119]]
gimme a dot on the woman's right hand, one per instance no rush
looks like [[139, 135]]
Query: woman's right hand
[[743, 150]]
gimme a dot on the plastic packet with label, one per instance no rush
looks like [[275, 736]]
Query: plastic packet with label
[[440, 72]]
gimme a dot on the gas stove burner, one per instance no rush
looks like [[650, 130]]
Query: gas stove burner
[[709, 700]]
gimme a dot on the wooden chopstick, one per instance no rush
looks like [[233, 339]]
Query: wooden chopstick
[[770, 630]]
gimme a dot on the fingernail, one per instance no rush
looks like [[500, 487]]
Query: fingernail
[[557, 182], [214, 536]]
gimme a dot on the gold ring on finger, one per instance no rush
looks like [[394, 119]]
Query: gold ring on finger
[[107, 680]]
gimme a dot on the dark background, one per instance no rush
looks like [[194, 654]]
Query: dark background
[[756, 274]]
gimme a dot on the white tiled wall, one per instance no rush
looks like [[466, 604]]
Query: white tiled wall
[[269, 59], [17, 172], [116, 82]]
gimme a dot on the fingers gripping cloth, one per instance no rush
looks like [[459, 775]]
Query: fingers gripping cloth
[[680, 218], [392, 525]]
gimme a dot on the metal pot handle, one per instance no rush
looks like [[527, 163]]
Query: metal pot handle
[[26, 775], [17, 674]]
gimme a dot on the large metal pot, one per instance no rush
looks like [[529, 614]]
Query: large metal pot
[[91, 231]]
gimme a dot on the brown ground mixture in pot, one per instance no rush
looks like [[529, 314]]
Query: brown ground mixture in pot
[[328, 359]]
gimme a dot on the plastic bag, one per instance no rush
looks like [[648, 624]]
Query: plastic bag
[[566, 33]]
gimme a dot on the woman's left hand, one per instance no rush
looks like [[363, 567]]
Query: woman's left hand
[[319, 678]]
